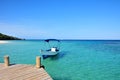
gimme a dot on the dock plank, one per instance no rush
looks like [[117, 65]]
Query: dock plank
[[23, 72]]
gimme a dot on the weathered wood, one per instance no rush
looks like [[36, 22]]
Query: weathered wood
[[6, 61], [23, 72], [38, 62]]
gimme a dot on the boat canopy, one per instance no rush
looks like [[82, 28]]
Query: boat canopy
[[47, 40]]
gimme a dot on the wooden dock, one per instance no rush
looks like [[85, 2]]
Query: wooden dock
[[22, 72]]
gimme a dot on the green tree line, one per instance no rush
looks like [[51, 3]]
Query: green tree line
[[7, 37]]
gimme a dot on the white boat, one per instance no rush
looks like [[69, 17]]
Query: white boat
[[53, 47]]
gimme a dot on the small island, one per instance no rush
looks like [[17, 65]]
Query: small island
[[7, 37]]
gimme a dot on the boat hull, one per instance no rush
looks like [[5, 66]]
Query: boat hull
[[47, 54]]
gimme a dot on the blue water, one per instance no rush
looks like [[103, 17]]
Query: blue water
[[77, 60]]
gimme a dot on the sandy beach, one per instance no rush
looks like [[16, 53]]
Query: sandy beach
[[2, 42]]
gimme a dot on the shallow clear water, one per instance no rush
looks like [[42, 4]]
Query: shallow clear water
[[77, 60]]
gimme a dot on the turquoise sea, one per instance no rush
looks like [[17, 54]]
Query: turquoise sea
[[77, 60]]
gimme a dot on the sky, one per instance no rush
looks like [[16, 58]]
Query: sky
[[60, 19]]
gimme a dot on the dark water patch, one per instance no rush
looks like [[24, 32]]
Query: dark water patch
[[62, 78], [59, 55]]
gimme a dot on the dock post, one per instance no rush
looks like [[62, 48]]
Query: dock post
[[38, 62], [6, 61]]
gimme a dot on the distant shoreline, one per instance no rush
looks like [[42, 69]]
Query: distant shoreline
[[7, 37], [81, 39]]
